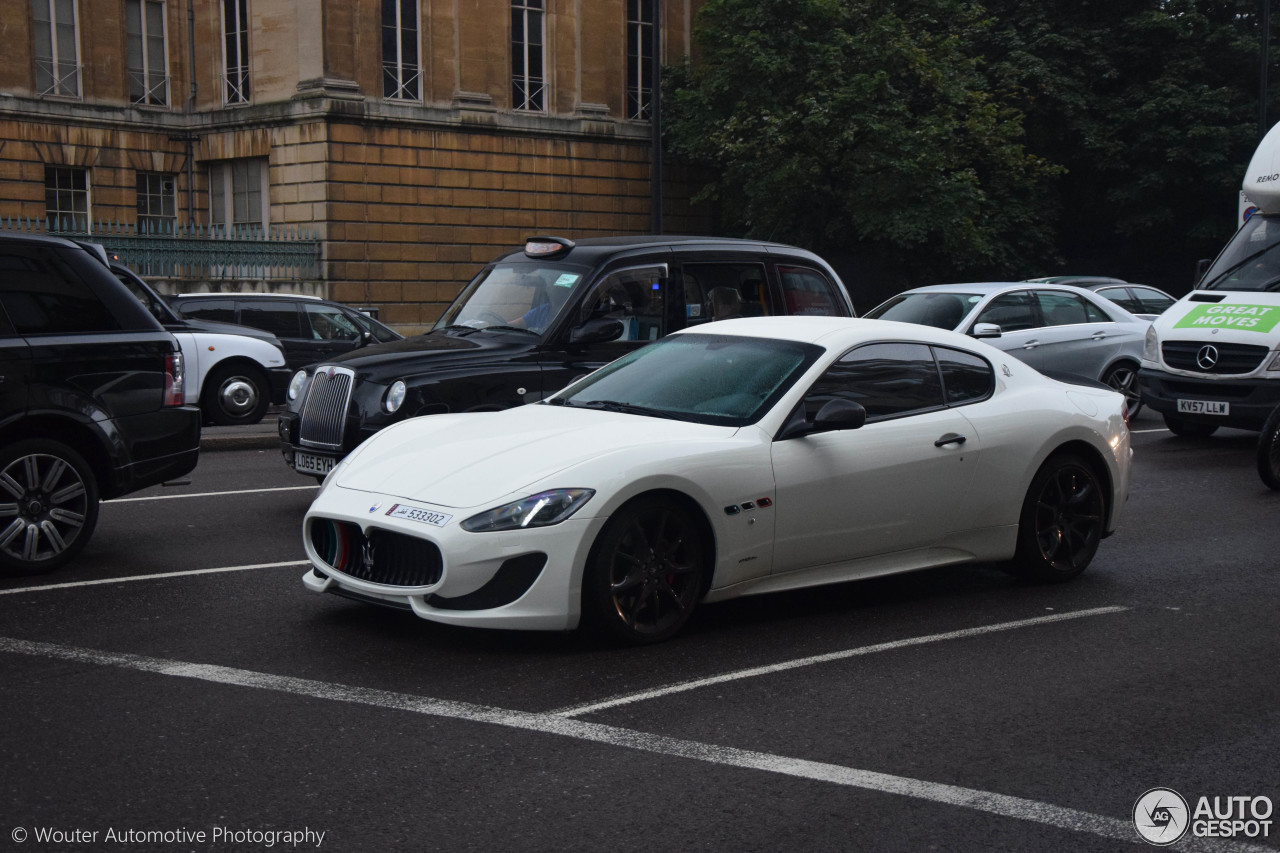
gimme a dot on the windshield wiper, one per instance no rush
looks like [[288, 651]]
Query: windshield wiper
[[629, 409], [509, 329], [457, 327]]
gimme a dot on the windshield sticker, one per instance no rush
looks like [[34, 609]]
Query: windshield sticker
[[1260, 233], [1249, 318], [567, 280]]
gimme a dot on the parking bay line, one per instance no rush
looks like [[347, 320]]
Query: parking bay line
[[209, 494], [1001, 805], [752, 672], [131, 578]]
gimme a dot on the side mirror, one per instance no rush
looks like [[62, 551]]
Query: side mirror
[[835, 415], [364, 340], [598, 330], [985, 330]]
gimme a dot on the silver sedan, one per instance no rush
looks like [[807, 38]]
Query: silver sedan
[[1054, 328]]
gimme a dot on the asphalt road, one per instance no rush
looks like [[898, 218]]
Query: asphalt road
[[177, 680]]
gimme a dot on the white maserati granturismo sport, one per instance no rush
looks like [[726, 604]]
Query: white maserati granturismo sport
[[735, 458]]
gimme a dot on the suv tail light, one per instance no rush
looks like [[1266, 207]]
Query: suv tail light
[[174, 380]]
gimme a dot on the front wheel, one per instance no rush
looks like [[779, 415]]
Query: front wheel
[[646, 572], [48, 506], [1124, 378], [1062, 521], [1189, 429], [1269, 451], [234, 395]]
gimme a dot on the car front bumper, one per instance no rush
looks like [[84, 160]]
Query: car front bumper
[[1249, 401]]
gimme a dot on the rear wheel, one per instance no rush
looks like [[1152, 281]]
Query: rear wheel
[[1269, 451], [48, 506], [234, 395], [646, 571], [1124, 378], [1061, 522], [1189, 429]]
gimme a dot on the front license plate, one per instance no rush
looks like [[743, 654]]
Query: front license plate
[[308, 464], [414, 513], [1204, 407]]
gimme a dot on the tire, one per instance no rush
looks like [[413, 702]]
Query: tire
[[1269, 451], [1189, 429], [234, 395], [48, 506], [1123, 377], [1061, 522], [646, 571]]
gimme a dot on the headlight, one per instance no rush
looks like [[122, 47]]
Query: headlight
[[1275, 363], [296, 384], [1151, 346], [395, 397], [540, 510]]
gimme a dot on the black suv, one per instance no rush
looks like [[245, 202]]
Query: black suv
[[91, 400], [534, 320]]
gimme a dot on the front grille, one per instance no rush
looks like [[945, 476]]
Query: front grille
[[382, 557], [325, 410], [1231, 358]]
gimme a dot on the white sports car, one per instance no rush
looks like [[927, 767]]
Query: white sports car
[[743, 457]]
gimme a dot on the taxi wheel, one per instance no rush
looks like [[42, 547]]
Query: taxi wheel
[[646, 571], [1269, 451], [1189, 429], [1062, 521], [234, 395], [48, 506]]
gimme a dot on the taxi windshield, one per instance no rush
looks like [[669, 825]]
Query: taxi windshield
[[520, 296], [1251, 261]]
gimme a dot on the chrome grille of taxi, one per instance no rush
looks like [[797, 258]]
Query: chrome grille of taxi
[[382, 557], [1230, 358], [324, 412]]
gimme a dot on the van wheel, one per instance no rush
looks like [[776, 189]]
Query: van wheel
[[1269, 451], [1062, 521], [234, 395], [1189, 429], [48, 506]]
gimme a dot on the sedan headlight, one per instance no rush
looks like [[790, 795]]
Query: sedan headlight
[[297, 384], [395, 397], [540, 510], [1151, 346]]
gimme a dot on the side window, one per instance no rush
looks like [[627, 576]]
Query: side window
[[809, 292], [1121, 297], [888, 380], [326, 323], [278, 317], [966, 378], [222, 310], [723, 292], [635, 297], [1064, 309], [380, 333], [42, 296], [1012, 312], [1152, 301]]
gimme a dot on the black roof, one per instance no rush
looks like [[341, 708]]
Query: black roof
[[591, 251]]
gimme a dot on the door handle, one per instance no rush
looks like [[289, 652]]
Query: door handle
[[950, 438], [1097, 336], [1031, 345]]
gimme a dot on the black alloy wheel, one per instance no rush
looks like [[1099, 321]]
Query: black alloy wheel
[[234, 395], [1269, 451], [1124, 378], [48, 506], [1189, 429], [1062, 520], [646, 571]]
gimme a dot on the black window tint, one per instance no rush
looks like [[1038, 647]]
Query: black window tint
[[724, 291], [1121, 297], [222, 310], [1012, 312], [43, 296], [1152, 301], [279, 318], [886, 379], [1063, 309], [966, 378]]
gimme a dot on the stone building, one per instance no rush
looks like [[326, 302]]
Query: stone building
[[413, 139]]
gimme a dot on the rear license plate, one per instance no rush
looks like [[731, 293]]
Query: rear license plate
[[1204, 407], [309, 464]]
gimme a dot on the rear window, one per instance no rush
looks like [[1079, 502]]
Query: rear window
[[40, 295], [808, 292]]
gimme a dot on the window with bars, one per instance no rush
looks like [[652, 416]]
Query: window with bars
[[235, 51], [145, 52], [57, 47], [528, 84], [401, 67], [237, 194], [66, 198], [157, 202], [640, 58]]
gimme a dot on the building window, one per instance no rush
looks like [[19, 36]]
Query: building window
[[640, 58], [401, 68], [235, 51], [528, 87], [57, 49], [237, 194], [66, 198], [145, 48], [157, 202]]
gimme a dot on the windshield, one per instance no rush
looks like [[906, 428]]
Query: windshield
[[711, 379], [1251, 261], [940, 310], [512, 296]]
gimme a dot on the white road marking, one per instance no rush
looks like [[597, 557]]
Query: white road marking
[[209, 494], [1143, 431], [1001, 805], [189, 573], [831, 656]]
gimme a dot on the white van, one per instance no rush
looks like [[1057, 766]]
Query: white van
[[1213, 358]]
